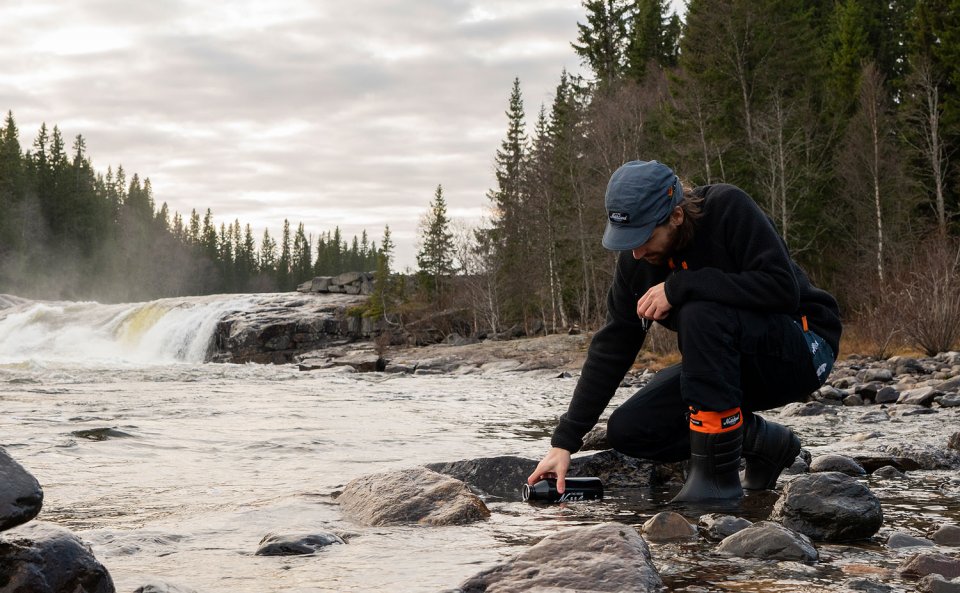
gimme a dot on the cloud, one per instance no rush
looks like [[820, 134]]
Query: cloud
[[328, 113]]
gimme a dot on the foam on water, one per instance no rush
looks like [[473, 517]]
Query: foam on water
[[157, 332]]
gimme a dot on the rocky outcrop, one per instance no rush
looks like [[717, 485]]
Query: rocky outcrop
[[606, 557], [346, 283], [829, 506], [43, 558], [280, 329], [21, 496], [296, 544], [769, 541], [416, 495]]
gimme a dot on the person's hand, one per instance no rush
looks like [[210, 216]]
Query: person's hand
[[654, 304], [554, 465]]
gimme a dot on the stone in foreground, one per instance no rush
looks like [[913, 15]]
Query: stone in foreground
[[415, 495], [44, 558], [829, 506], [20, 494], [924, 563], [296, 544], [668, 526], [609, 557], [769, 541]]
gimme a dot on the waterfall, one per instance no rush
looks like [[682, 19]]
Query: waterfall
[[161, 331]]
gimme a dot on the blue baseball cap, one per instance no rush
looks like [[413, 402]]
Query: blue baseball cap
[[640, 196]]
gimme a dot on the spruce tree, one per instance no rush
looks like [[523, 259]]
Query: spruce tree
[[435, 257], [602, 40]]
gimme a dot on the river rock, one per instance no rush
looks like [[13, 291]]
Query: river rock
[[416, 495], [853, 400], [954, 441], [924, 563], [806, 409], [275, 544], [888, 472], [44, 558], [887, 395], [837, 463], [609, 557], [906, 410], [923, 396], [947, 535], [716, 526], [934, 583], [502, 477], [923, 456], [21, 496], [618, 470], [596, 439], [900, 539], [162, 587], [950, 400], [869, 375], [950, 385], [668, 526], [769, 541], [829, 506]]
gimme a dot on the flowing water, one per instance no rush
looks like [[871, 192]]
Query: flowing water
[[173, 469]]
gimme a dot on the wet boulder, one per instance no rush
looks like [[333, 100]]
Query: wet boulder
[[668, 526], [837, 463], [44, 558], [829, 506], [502, 477], [769, 541], [888, 472], [924, 563], [716, 526], [416, 495], [947, 535], [21, 496], [296, 544], [596, 439], [606, 557], [900, 539]]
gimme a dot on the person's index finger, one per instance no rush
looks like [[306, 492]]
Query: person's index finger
[[561, 483]]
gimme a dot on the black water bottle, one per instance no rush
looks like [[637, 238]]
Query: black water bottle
[[577, 489]]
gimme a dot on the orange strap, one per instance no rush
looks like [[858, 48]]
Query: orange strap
[[673, 266], [803, 319], [714, 422]]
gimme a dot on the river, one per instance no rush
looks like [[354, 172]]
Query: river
[[173, 469]]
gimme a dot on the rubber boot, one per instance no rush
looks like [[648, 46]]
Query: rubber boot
[[768, 448], [714, 461]]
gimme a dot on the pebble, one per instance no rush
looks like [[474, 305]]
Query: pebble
[[888, 472], [668, 526], [837, 463], [716, 526], [947, 535], [900, 539]]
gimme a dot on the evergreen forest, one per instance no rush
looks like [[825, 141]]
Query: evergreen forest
[[69, 232]]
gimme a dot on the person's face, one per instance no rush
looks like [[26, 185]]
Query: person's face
[[662, 242]]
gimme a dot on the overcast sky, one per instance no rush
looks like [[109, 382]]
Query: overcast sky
[[323, 112]]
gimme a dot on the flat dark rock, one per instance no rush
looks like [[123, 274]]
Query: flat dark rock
[[502, 477], [21, 496], [101, 434], [44, 558]]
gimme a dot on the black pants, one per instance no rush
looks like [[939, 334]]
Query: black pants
[[731, 358]]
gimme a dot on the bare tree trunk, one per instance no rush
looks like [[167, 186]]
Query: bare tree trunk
[[871, 104], [932, 147]]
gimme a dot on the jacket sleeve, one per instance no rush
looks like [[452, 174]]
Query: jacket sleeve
[[765, 279], [612, 351]]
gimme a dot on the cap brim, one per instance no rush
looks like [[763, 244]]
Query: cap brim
[[626, 238]]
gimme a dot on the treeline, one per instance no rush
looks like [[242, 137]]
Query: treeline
[[67, 231], [841, 118]]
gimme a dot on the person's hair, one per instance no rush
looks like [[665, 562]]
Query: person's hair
[[691, 204]]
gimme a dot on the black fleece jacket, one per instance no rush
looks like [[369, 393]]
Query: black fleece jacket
[[735, 258]]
